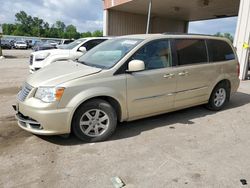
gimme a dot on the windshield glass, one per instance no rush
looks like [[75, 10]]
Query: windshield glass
[[107, 54], [72, 45]]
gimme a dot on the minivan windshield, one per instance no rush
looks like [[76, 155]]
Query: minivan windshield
[[72, 45], [110, 52]]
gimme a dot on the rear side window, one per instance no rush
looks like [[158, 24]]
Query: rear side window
[[219, 51], [191, 51]]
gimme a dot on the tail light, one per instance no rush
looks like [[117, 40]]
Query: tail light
[[238, 69]]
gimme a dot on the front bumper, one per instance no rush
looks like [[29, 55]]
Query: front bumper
[[43, 121], [21, 47]]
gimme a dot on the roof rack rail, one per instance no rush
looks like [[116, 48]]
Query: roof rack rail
[[180, 33]]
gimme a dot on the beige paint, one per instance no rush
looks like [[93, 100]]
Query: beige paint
[[111, 3], [189, 10], [130, 16], [123, 23], [139, 94], [163, 24]]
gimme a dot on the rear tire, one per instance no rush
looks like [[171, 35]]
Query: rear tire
[[94, 121], [219, 97]]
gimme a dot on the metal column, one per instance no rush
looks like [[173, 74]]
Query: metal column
[[149, 15], [1, 33], [242, 36], [105, 22]]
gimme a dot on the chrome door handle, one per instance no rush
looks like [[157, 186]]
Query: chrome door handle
[[168, 75], [184, 73]]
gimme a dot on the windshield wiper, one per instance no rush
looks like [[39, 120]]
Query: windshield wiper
[[83, 62]]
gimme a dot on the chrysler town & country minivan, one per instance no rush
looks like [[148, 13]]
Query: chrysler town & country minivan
[[125, 79]]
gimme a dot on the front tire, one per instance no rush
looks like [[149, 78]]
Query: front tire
[[94, 121], [219, 97]]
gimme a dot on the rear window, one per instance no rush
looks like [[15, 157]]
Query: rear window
[[219, 51], [191, 51]]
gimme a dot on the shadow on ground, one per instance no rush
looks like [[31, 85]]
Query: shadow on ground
[[135, 128], [10, 57]]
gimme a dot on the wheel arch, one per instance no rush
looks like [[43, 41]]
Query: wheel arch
[[111, 100], [223, 81]]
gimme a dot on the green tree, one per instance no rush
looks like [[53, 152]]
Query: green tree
[[86, 34], [71, 32], [8, 29], [27, 25], [25, 21], [97, 33], [60, 25], [225, 35], [60, 28], [37, 27], [20, 30]]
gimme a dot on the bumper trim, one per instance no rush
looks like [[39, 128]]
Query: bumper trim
[[27, 121]]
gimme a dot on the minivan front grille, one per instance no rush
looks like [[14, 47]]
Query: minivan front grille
[[24, 92], [31, 59]]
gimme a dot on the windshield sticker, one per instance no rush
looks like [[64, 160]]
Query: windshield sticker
[[129, 42]]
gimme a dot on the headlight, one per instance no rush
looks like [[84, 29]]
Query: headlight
[[49, 94], [42, 56]]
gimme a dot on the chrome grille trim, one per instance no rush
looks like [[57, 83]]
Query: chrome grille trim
[[24, 92]]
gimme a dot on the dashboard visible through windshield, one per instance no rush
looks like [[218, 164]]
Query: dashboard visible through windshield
[[110, 52]]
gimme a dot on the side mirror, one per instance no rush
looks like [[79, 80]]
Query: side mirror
[[82, 49], [136, 65]]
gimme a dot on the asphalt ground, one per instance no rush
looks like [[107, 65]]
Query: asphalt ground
[[189, 148]]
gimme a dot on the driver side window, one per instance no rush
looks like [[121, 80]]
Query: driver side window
[[156, 55]]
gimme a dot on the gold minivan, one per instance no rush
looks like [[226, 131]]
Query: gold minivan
[[128, 78]]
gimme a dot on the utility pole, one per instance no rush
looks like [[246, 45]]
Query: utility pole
[[1, 34]]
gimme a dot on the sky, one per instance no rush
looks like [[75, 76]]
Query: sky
[[223, 25], [87, 15]]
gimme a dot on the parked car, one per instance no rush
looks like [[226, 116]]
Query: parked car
[[71, 51], [64, 42], [125, 79], [5, 44], [20, 45], [12, 43], [29, 43], [39, 46], [52, 43]]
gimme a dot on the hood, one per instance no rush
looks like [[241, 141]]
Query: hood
[[53, 52], [60, 72]]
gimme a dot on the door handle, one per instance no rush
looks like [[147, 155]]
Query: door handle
[[184, 73], [170, 75]]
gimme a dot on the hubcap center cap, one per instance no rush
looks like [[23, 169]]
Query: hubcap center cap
[[95, 122]]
